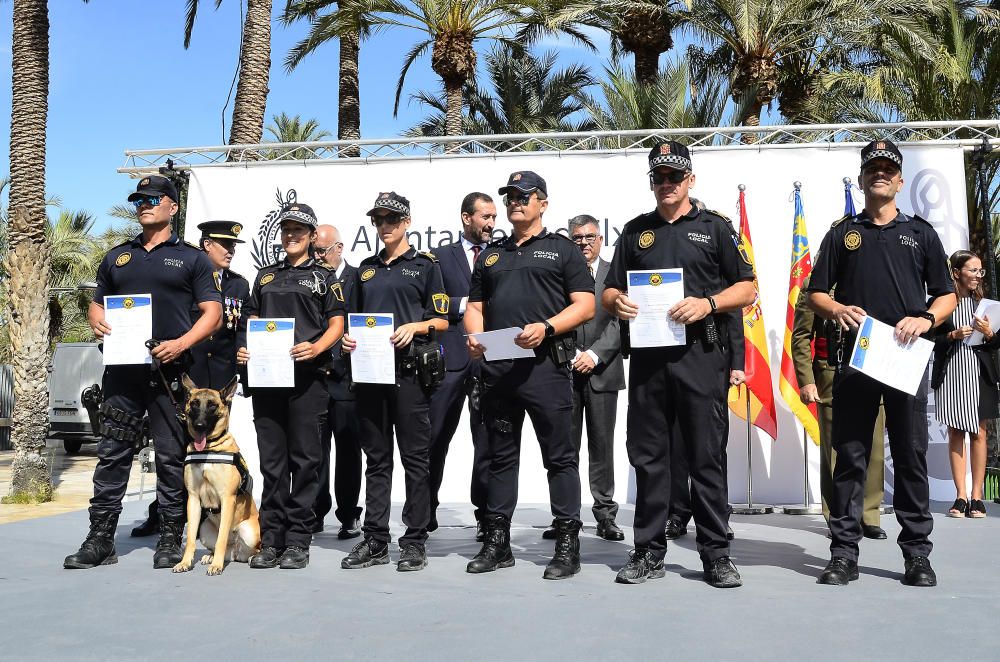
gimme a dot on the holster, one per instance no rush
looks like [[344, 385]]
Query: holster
[[427, 359], [836, 344], [475, 388], [562, 349]]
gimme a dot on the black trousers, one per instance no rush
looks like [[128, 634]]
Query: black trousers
[[138, 391], [677, 396], [289, 423], [405, 407], [342, 429], [542, 390], [599, 410], [447, 403], [680, 481], [856, 400]]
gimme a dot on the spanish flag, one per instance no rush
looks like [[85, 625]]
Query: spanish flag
[[758, 387], [788, 383]]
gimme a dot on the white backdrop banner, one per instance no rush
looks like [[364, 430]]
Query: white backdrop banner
[[612, 187]]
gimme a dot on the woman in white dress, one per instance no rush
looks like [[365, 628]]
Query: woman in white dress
[[965, 383]]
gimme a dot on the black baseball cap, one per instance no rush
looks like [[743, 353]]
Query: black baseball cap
[[670, 154], [221, 230], [881, 149], [300, 213], [524, 181], [155, 185], [392, 201]]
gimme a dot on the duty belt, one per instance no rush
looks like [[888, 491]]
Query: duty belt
[[222, 457]]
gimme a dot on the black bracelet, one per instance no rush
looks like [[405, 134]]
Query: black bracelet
[[929, 316], [711, 302]]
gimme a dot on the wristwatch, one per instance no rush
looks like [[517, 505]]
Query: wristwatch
[[549, 329]]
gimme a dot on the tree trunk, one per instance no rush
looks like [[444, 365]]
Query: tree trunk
[[255, 68], [453, 110], [27, 257], [752, 119], [647, 66], [349, 100]]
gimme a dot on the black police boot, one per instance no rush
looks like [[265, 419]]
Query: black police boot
[[150, 525], [919, 572], [721, 573], [294, 558], [168, 547], [267, 557], [348, 530], [99, 546], [642, 565], [480, 531], [566, 560], [412, 557], [839, 571], [495, 552], [365, 554], [608, 529], [550, 533], [675, 529]]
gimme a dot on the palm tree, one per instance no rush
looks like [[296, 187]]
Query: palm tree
[[254, 70], [528, 96], [287, 129], [320, 32]]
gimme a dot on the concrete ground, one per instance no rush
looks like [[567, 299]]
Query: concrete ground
[[130, 612]]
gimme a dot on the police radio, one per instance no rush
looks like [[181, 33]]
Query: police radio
[[429, 357]]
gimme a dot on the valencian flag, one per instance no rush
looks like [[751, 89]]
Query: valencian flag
[[788, 383], [758, 383]]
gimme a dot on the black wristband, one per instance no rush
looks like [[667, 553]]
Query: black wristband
[[549, 329], [711, 302], [929, 316]]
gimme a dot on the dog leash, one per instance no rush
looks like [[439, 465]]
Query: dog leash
[[151, 344]]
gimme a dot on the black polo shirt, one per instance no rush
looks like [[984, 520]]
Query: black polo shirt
[[529, 283], [410, 287], [887, 270], [309, 293], [175, 273], [701, 243]]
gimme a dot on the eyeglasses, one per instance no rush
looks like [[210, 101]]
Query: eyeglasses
[[153, 200], [391, 219], [976, 272], [516, 199], [585, 238], [323, 251], [673, 176]]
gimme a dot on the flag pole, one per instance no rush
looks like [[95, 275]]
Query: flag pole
[[807, 507], [750, 508]]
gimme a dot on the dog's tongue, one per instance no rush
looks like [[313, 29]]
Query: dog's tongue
[[200, 440]]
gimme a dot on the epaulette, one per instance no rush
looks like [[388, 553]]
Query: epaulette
[[564, 236], [233, 274], [326, 266], [840, 220], [188, 243], [720, 215], [430, 256], [922, 220]]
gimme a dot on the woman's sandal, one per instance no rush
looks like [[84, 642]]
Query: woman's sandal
[[959, 508], [977, 509]]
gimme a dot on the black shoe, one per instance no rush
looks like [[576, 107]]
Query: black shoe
[[480, 531], [294, 558], [98, 547], [317, 526], [838, 572], [729, 532], [349, 530], [919, 572], [412, 557], [550, 533], [168, 547], [608, 530], [365, 554], [721, 573], [566, 559], [495, 552], [675, 529], [873, 532], [150, 525], [267, 557], [642, 565]]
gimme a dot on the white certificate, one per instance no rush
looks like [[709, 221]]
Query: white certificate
[[130, 317], [269, 343], [373, 361], [877, 354], [655, 292], [500, 344], [986, 308]]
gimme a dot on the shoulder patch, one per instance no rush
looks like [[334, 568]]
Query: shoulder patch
[[441, 303], [123, 259], [366, 274], [338, 291], [491, 259], [430, 256], [266, 278], [840, 220]]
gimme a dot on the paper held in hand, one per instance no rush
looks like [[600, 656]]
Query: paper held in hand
[[269, 343], [987, 308], [655, 292], [501, 344], [877, 354], [373, 361], [130, 317]]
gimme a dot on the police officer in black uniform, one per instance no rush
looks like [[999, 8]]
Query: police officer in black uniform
[[290, 421], [179, 279], [538, 281], [408, 284], [677, 395], [884, 264], [213, 362]]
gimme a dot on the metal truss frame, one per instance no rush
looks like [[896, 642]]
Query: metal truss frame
[[967, 134]]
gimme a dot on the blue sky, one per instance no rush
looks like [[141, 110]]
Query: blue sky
[[121, 79]]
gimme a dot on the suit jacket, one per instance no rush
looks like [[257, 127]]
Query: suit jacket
[[944, 349], [457, 276], [602, 336], [338, 383]]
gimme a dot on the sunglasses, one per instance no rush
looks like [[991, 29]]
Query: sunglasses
[[516, 199], [391, 219], [323, 251], [585, 238], [673, 176], [153, 200]]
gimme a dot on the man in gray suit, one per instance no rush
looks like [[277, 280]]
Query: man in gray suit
[[598, 375]]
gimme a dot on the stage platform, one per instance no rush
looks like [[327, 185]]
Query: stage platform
[[130, 612]]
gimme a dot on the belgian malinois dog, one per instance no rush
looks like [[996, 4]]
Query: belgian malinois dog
[[231, 531]]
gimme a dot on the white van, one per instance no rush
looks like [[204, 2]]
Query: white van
[[75, 393]]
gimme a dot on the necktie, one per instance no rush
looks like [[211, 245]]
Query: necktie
[[476, 249], [590, 268]]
